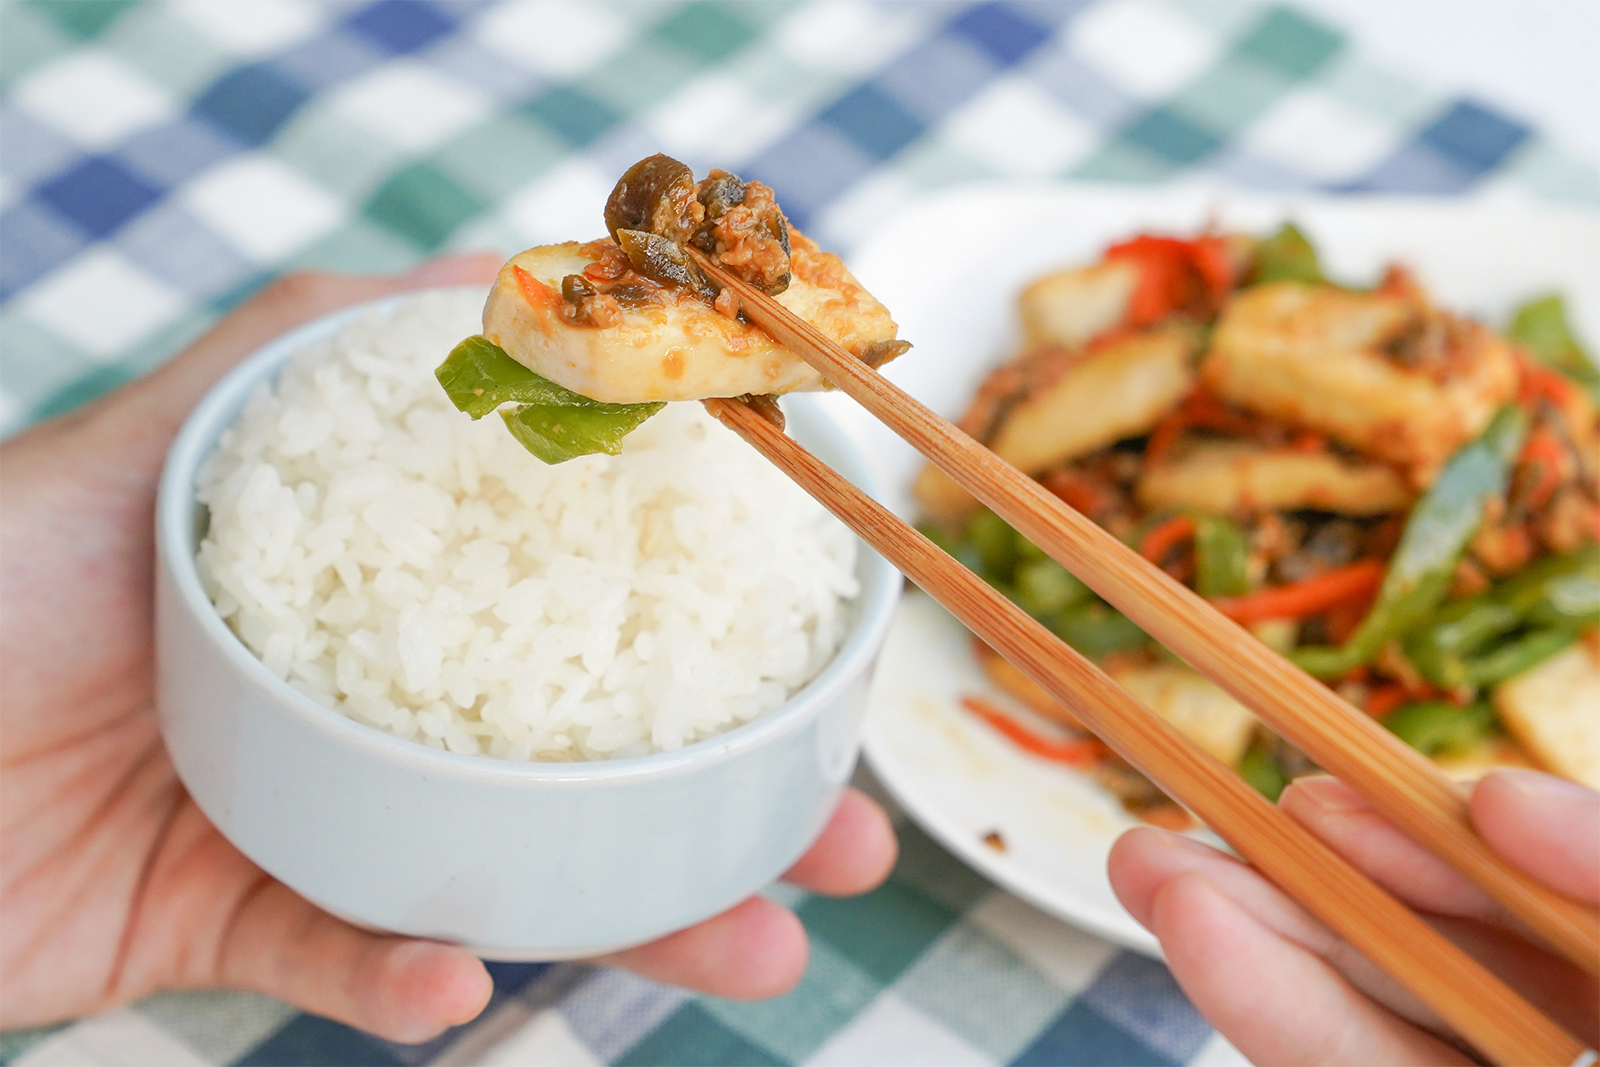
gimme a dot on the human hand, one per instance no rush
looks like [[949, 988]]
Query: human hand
[[1285, 990], [112, 883]]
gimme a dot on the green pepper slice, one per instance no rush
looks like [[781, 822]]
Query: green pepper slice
[[556, 433], [1435, 726], [1557, 593], [997, 545], [553, 423], [1286, 256], [1257, 767], [1436, 533], [1044, 587], [1514, 657], [1541, 327], [1570, 597], [1097, 629], [1220, 554]]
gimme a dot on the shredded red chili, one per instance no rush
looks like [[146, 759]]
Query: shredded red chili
[[1312, 596], [1075, 750], [1544, 452], [1175, 275], [1539, 382], [1155, 544]]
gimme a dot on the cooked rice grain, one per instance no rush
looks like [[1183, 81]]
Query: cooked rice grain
[[420, 572]]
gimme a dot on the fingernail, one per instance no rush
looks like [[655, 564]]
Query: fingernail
[[449, 266], [1326, 793], [1173, 839], [1538, 786]]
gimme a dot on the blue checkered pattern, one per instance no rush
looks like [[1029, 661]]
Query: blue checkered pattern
[[160, 160]]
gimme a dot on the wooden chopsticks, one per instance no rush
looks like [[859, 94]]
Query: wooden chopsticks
[[1398, 781], [1480, 1008]]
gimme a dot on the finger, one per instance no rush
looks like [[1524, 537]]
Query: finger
[[1461, 911], [1277, 1002], [1143, 861], [854, 852], [753, 950], [141, 420], [1547, 826], [291, 301], [398, 988], [1354, 829]]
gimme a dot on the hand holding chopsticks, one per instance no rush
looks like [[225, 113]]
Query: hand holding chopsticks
[[1474, 1002], [1403, 785]]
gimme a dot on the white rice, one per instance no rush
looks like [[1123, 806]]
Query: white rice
[[422, 573]]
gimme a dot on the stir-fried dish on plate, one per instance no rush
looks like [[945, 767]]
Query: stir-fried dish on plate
[[1402, 500]]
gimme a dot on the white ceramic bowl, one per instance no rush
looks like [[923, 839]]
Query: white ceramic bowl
[[514, 860]]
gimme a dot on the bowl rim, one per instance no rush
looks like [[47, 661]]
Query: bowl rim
[[174, 518]]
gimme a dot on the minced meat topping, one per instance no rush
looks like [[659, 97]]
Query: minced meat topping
[[653, 214]]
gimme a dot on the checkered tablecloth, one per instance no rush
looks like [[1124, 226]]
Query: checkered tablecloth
[[167, 157]]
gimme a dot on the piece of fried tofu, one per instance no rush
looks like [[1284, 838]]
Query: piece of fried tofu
[[1480, 759], [1071, 307], [1554, 711], [1196, 705], [1120, 390], [683, 350], [1234, 477], [1315, 355]]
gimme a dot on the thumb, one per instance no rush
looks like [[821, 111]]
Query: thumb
[[1548, 826], [398, 988], [279, 307], [136, 424]]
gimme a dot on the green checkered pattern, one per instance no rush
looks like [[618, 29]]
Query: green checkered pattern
[[167, 157]]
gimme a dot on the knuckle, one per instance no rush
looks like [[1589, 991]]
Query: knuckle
[[300, 288]]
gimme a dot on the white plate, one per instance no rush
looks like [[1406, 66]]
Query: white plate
[[949, 266]]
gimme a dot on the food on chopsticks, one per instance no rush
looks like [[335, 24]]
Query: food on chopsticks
[[582, 342], [1400, 499]]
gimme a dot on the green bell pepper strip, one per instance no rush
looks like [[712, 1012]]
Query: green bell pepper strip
[[1257, 768], [1044, 587], [1541, 327], [1286, 256], [996, 543], [553, 423], [1557, 592], [1514, 657], [1436, 533], [556, 433], [1435, 726], [1097, 629], [998, 554], [1220, 553], [1571, 598], [963, 550]]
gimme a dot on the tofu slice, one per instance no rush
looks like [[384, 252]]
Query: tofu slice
[[1071, 307], [1554, 711], [1476, 762], [1121, 390], [1194, 704], [683, 351], [1312, 355], [1228, 477]]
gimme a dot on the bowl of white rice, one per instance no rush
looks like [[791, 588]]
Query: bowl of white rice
[[441, 688]]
